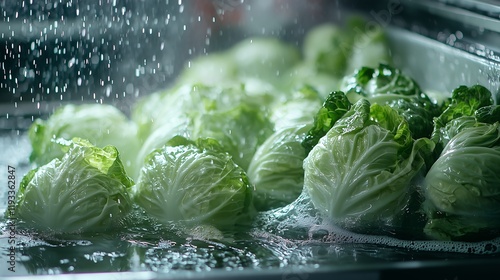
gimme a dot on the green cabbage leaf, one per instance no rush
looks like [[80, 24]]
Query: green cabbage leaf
[[333, 108], [466, 107], [388, 85], [276, 169], [87, 190], [194, 182], [462, 188], [98, 123], [362, 173]]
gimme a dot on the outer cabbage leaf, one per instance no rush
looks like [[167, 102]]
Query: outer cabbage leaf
[[388, 85], [276, 168], [266, 58], [334, 107], [145, 113], [225, 113], [260, 58], [176, 105], [335, 50], [172, 105], [240, 131], [464, 102], [462, 188], [261, 94], [305, 74], [327, 48], [383, 82], [444, 134], [298, 110], [161, 136], [482, 116], [369, 49], [194, 183], [361, 173], [100, 124], [488, 114], [85, 191]]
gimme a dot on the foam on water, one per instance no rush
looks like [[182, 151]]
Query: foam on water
[[300, 222]]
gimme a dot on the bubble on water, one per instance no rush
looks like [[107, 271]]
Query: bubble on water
[[301, 223], [206, 232]]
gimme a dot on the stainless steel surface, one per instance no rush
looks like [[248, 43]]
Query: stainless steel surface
[[466, 12], [440, 67]]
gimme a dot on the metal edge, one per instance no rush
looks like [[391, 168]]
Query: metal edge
[[440, 67], [457, 13]]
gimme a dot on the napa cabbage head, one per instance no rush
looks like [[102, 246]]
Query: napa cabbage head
[[240, 131], [462, 188], [388, 85], [265, 58], [337, 50], [276, 169], [193, 183], [225, 113], [146, 112], [361, 174], [326, 48], [297, 110], [100, 124], [87, 190], [176, 105], [170, 106], [369, 48]]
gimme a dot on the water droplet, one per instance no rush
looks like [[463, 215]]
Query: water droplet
[[108, 90]]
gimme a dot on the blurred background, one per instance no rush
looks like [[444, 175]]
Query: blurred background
[[115, 51]]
